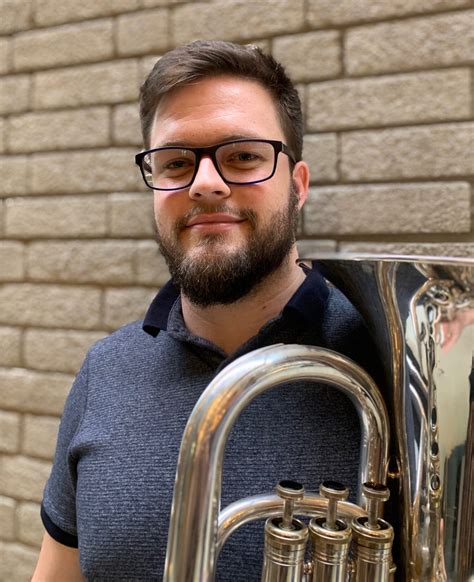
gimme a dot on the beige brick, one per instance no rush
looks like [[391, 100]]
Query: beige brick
[[429, 151], [2, 136], [37, 132], [84, 171], [11, 261], [320, 153], [328, 12], [409, 98], [131, 215], [36, 392], [110, 82], [125, 305], [69, 216], [7, 518], [301, 89], [14, 94], [142, 32], [126, 125], [72, 44], [240, 20], [39, 436], [153, 3], [57, 350], [10, 346], [4, 55], [13, 175], [309, 56], [23, 478], [49, 305], [82, 262], [17, 562], [30, 526], [411, 44], [447, 249], [389, 208], [9, 432], [48, 12], [312, 248], [16, 15], [151, 266]]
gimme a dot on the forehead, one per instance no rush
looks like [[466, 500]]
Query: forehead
[[216, 109]]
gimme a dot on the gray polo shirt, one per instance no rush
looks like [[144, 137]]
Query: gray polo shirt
[[111, 485]]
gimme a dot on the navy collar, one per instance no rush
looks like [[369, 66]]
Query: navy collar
[[307, 303]]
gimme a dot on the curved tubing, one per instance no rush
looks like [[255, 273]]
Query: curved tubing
[[192, 551]]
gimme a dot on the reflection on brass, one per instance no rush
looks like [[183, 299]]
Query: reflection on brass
[[420, 311]]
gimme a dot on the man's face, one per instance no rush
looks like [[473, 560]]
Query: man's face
[[221, 240]]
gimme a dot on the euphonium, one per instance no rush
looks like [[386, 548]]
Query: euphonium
[[420, 312]]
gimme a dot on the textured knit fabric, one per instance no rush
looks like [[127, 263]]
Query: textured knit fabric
[[112, 480]]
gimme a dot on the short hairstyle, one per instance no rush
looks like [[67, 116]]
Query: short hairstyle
[[212, 58]]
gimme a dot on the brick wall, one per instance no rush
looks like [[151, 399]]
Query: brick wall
[[387, 91]]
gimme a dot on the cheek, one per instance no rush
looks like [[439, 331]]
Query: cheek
[[156, 211], [157, 200], [166, 208], [269, 198]]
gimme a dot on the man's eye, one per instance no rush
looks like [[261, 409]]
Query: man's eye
[[176, 165], [246, 156], [243, 157]]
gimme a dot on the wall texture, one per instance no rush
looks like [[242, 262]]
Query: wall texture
[[387, 91]]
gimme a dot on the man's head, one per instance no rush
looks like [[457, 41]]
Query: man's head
[[220, 238], [213, 58]]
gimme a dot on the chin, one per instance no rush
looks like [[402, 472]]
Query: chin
[[212, 242]]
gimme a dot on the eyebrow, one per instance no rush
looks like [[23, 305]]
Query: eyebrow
[[232, 137]]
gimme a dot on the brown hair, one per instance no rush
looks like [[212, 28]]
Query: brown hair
[[211, 58]]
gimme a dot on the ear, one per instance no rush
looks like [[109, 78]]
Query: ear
[[301, 181]]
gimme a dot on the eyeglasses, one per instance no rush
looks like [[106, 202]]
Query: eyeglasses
[[244, 161]]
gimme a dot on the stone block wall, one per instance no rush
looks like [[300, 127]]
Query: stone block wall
[[387, 92]]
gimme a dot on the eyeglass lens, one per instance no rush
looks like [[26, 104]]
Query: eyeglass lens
[[238, 162]]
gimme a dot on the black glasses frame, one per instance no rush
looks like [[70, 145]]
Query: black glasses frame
[[278, 147]]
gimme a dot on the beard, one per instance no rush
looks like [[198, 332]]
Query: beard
[[209, 276]]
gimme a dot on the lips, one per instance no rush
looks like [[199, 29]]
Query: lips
[[213, 218]]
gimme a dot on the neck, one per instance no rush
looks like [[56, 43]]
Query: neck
[[229, 326]]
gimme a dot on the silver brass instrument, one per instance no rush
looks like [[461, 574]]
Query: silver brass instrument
[[420, 312]]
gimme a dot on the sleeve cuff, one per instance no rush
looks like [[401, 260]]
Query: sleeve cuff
[[57, 533]]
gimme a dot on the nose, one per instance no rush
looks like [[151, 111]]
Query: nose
[[208, 182]]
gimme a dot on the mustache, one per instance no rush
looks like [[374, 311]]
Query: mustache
[[240, 214]]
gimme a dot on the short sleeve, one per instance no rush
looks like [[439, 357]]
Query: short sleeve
[[58, 511]]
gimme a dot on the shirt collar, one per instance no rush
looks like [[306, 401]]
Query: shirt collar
[[156, 317], [307, 302]]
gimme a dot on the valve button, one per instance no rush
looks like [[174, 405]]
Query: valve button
[[287, 489]]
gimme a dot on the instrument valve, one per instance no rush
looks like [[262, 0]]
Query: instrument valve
[[375, 494], [330, 537], [285, 538], [373, 538], [333, 492], [289, 491]]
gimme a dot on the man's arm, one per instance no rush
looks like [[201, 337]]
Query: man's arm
[[57, 563]]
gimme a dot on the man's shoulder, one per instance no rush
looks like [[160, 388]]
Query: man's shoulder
[[342, 324], [130, 338], [345, 331], [340, 310]]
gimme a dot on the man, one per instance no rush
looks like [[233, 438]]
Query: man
[[222, 128]]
